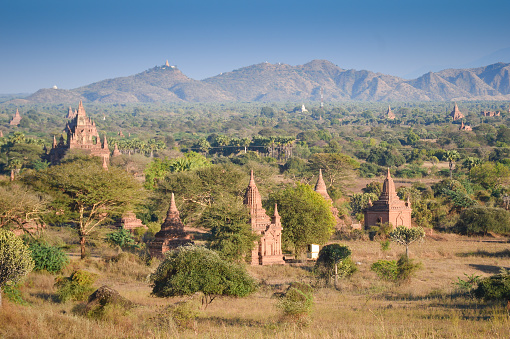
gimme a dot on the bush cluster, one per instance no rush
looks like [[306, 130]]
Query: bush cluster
[[49, 258], [495, 287], [297, 302], [76, 287], [396, 271]]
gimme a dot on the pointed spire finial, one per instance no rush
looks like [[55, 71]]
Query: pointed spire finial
[[252, 179], [105, 143], [173, 206], [54, 141], [105, 164], [276, 210], [388, 175]]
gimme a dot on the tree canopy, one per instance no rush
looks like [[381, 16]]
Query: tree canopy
[[87, 194], [306, 216], [192, 269]]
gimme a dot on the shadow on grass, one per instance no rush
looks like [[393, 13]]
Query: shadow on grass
[[218, 321], [486, 254], [52, 297], [487, 268]]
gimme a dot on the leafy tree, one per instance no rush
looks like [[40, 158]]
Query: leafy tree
[[331, 255], [490, 175], [192, 269], [482, 220], [19, 206], [406, 236], [306, 216], [15, 259], [359, 201], [451, 156], [199, 188], [335, 166], [231, 234], [89, 195]]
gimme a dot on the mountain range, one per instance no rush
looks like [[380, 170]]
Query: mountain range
[[267, 82]]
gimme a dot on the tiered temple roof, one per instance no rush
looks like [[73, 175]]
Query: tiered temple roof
[[269, 247], [16, 119], [456, 113], [389, 207], [389, 114], [171, 235], [81, 134]]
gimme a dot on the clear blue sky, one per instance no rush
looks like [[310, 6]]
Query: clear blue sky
[[71, 43]]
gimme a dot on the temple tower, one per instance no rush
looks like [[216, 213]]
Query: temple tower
[[389, 113], [16, 119], [269, 247], [456, 113], [171, 235], [81, 134], [389, 207]]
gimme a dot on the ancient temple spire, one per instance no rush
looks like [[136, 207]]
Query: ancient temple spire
[[173, 211], [388, 191], [105, 143], [105, 164], [320, 186], [54, 141], [81, 110]]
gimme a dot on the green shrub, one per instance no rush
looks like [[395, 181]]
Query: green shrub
[[297, 303], [495, 287], [12, 292], [49, 258], [395, 271], [385, 269], [122, 238], [185, 313], [76, 287], [385, 245], [331, 255]]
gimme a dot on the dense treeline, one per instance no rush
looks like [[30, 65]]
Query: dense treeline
[[183, 148]]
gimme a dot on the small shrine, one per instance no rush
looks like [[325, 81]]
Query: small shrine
[[389, 114], [130, 222], [172, 234], [269, 247], [320, 187], [389, 207], [16, 119], [456, 114]]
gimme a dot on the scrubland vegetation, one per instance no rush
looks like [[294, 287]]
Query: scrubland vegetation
[[457, 181]]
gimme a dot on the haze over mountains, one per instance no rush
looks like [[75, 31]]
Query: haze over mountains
[[267, 82]]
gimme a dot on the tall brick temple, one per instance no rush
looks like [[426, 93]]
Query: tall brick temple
[[269, 247], [389, 207], [81, 134], [171, 235]]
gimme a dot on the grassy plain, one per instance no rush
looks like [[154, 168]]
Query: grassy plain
[[429, 306]]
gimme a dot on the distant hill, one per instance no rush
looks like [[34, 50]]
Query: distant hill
[[267, 82]]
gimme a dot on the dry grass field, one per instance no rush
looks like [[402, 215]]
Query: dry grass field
[[361, 307]]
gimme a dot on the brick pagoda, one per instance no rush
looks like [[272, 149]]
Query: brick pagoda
[[389, 207], [81, 134], [456, 113], [269, 247], [389, 114], [172, 234], [320, 187], [16, 119]]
